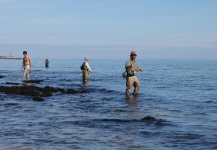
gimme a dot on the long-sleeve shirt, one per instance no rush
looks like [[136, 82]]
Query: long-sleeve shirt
[[88, 66]]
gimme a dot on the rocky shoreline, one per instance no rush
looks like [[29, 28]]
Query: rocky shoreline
[[37, 93], [9, 57], [40, 93]]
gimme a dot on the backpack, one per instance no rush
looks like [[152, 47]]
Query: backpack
[[82, 66]]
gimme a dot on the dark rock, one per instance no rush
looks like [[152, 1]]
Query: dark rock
[[36, 92], [50, 89], [148, 118], [12, 83], [33, 81], [61, 90], [160, 123], [46, 94], [2, 77], [71, 91], [38, 99]]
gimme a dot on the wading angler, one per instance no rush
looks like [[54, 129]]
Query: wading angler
[[132, 67]]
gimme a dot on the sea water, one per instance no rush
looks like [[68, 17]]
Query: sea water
[[180, 94]]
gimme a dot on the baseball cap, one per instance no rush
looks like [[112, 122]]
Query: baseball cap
[[133, 53]]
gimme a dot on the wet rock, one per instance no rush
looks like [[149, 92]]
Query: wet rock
[[33, 81], [71, 91], [47, 91], [157, 122], [38, 99], [61, 91], [148, 118], [160, 123], [2, 77], [12, 83], [50, 89], [36, 92]]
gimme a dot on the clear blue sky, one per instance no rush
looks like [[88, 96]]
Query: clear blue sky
[[109, 28]]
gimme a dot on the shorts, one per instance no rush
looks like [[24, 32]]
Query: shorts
[[27, 67]]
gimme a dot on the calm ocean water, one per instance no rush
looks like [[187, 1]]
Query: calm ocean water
[[180, 94]]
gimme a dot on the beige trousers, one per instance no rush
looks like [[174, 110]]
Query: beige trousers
[[132, 81]]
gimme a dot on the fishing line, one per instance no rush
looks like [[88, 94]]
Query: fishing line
[[36, 59]]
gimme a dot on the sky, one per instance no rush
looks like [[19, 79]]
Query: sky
[[109, 29]]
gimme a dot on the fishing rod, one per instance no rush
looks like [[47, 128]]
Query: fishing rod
[[36, 59]]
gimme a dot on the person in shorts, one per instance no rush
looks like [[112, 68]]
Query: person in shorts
[[26, 65]]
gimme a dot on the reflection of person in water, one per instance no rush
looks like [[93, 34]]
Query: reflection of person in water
[[131, 99], [132, 105], [84, 82], [46, 63]]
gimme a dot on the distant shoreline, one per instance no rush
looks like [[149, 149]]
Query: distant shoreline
[[9, 57]]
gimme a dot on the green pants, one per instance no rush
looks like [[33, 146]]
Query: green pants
[[85, 75]]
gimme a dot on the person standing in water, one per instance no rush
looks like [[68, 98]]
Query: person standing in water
[[26, 65], [46, 63], [131, 67], [85, 67]]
